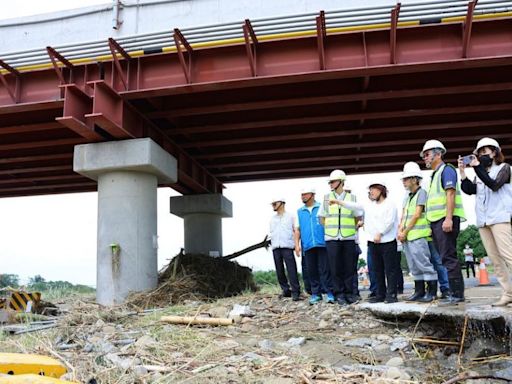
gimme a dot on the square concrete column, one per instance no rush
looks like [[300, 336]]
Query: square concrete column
[[128, 173], [202, 215]]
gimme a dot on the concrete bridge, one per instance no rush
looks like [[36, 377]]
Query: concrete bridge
[[266, 98]]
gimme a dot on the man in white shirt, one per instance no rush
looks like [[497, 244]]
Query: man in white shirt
[[282, 236], [381, 225], [469, 259]]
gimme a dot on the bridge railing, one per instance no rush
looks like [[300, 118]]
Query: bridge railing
[[335, 21]]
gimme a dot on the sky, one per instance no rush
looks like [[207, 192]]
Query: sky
[[55, 235]]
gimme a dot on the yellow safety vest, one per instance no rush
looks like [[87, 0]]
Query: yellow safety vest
[[436, 201], [339, 219], [421, 228]]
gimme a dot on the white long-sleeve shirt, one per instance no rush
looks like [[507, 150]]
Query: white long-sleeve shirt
[[282, 228], [379, 218]]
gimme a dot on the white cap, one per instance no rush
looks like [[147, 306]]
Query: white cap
[[432, 144], [486, 142], [411, 169], [378, 182], [278, 198], [308, 190], [337, 174]]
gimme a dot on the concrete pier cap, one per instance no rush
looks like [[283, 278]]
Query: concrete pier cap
[[202, 215], [128, 173]]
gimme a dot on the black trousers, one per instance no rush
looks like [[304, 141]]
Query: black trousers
[[284, 256], [470, 265], [340, 255], [399, 273], [446, 244], [305, 274], [319, 276], [385, 260]]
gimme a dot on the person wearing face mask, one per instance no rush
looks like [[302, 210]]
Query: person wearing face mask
[[309, 239], [414, 233], [282, 238], [340, 234], [444, 211], [493, 205], [380, 224]]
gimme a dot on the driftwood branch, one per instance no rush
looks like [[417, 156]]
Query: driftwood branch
[[264, 244]]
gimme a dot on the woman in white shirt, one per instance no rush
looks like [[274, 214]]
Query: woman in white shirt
[[381, 226]]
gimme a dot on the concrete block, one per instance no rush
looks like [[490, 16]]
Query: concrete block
[[215, 204], [135, 155]]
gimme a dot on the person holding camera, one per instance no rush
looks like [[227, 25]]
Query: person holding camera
[[493, 189]]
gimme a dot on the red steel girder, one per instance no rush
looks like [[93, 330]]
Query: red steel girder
[[186, 63], [115, 49], [13, 93], [251, 44], [56, 57], [343, 117], [121, 120], [361, 53], [308, 147]]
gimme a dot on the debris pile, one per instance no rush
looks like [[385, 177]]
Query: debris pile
[[195, 277]]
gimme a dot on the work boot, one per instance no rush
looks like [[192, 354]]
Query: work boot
[[419, 291], [376, 299], [431, 294], [390, 299], [445, 293], [456, 292], [285, 294]]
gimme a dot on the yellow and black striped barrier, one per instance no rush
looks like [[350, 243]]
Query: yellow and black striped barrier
[[22, 301]]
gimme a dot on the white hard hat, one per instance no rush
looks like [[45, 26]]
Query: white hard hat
[[486, 142], [411, 169], [378, 182], [278, 198], [432, 144], [308, 190], [337, 174]]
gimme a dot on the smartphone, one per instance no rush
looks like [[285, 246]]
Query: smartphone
[[466, 160]]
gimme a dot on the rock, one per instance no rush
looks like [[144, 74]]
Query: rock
[[119, 361], [100, 323], [484, 348], [109, 329], [218, 311], [88, 347], [393, 373], [395, 362], [139, 371], [504, 373], [296, 341], [266, 344], [383, 337], [238, 318], [104, 347], [399, 343], [250, 328], [253, 358], [324, 324], [382, 347], [327, 313], [359, 342], [145, 341], [252, 342], [241, 310]]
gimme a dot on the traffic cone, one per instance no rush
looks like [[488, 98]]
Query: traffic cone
[[483, 276]]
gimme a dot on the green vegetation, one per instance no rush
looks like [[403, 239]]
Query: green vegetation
[[8, 280]]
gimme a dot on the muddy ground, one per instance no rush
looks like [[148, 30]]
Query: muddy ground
[[273, 341]]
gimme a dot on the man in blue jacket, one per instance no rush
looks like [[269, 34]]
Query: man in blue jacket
[[309, 238]]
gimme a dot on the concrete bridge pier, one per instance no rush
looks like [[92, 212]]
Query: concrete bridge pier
[[128, 173], [202, 215]]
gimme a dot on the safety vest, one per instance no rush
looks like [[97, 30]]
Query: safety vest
[[422, 227], [436, 201], [339, 219]]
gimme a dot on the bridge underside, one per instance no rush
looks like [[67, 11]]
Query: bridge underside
[[361, 101]]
